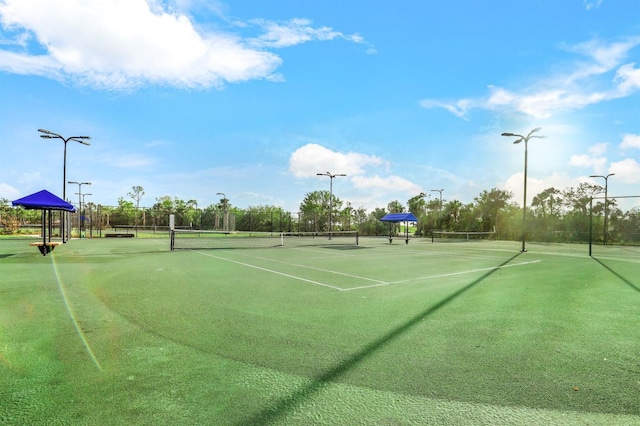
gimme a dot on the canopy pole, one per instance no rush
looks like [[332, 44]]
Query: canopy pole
[[406, 232], [44, 227]]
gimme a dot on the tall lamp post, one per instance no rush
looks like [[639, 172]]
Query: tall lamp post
[[440, 206], [522, 138], [225, 219], [80, 202], [423, 196], [80, 213], [331, 176], [47, 134], [606, 212]]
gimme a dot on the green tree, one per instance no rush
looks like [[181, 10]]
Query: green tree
[[489, 205], [124, 214], [417, 205], [136, 194], [576, 220], [545, 209], [162, 209], [450, 218], [346, 217], [373, 225], [314, 210], [395, 206], [9, 217]]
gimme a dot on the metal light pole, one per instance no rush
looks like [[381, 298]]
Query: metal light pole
[[423, 196], [80, 139], [440, 206], [524, 202], [199, 216], [84, 204], [331, 176], [225, 218], [79, 203], [606, 212]]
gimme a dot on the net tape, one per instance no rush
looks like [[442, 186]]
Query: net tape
[[194, 240]]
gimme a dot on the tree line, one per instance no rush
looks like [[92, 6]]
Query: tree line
[[554, 215]]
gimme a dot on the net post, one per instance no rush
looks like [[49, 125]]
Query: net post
[[357, 238], [172, 239], [590, 224]]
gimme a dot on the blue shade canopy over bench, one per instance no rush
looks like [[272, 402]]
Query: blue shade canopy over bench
[[397, 218], [47, 202]]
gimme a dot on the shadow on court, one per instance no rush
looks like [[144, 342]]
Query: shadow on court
[[280, 408], [625, 280]]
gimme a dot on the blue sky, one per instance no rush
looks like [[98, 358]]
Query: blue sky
[[252, 98]]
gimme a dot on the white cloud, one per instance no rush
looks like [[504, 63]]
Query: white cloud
[[592, 4], [391, 183], [585, 84], [296, 31], [626, 171], [515, 185], [122, 44], [597, 163], [630, 141], [598, 149], [9, 192], [628, 79], [311, 159], [366, 174], [458, 108], [594, 160]]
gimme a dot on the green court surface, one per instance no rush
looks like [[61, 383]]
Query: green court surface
[[125, 331]]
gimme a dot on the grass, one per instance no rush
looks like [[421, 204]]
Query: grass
[[127, 332]]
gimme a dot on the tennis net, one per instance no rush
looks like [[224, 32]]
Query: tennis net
[[456, 236], [198, 239]]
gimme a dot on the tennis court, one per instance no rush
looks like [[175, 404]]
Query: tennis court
[[110, 331]]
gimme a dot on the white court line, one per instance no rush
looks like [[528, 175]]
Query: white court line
[[271, 271], [325, 252], [379, 284], [72, 314], [440, 275], [442, 253], [329, 271]]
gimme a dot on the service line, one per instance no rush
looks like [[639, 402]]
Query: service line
[[271, 271], [329, 271], [451, 274]]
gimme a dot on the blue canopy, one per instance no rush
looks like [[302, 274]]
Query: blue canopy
[[399, 217], [44, 200]]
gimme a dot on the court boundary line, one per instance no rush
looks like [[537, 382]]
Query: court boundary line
[[452, 274], [270, 270], [380, 284], [329, 271]]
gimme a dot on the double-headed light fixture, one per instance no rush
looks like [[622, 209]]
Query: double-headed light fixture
[[331, 176], [524, 139], [47, 134], [606, 208]]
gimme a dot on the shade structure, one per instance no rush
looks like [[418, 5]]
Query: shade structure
[[397, 218], [44, 200], [47, 202]]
